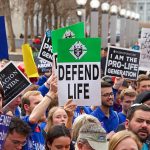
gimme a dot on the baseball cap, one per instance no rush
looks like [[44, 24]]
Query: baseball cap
[[95, 135], [108, 79]]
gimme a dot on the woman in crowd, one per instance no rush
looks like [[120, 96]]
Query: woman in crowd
[[80, 121], [124, 140], [56, 116], [61, 115], [58, 137]]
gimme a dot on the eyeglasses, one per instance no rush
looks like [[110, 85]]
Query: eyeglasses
[[15, 142], [108, 94]]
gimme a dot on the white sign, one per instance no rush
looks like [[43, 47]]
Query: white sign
[[81, 82], [145, 49]]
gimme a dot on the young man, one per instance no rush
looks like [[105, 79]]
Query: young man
[[143, 83], [17, 134], [105, 114], [127, 97], [138, 121], [34, 106]]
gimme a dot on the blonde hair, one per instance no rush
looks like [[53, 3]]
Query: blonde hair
[[81, 120], [142, 77], [50, 117], [25, 98], [128, 92], [120, 136]]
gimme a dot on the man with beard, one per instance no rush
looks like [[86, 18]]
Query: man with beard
[[138, 121], [105, 114]]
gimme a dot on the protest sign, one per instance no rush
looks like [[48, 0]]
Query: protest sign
[[3, 39], [42, 65], [4, 126], [122, 61], [145, 49], [46, 48], [13, 82], [79, 71], [72, 31]]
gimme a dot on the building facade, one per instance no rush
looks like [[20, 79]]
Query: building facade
[[142, 7]]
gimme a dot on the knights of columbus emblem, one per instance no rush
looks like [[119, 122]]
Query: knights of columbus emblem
[[68, 34], [78, 50]]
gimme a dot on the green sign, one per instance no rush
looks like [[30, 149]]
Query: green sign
[[79, 71], [79, 50], [73, 31]]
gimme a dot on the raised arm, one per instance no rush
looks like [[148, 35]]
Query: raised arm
[[41, 108]]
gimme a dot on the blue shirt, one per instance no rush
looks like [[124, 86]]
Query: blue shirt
[[109, 124], [36, 140], [122, 117], [87, 109]]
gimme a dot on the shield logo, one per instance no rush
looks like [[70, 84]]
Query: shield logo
[[78, 50], [68, 34]]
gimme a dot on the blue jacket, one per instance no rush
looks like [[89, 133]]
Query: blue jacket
[[42, 79], [43, 89]]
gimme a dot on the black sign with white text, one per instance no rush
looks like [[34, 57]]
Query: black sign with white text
[[122, 61], [13, 82], [46, 48], [42, 65]]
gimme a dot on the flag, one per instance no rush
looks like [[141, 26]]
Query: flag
[[73, 31], [3, 39], [30, 66]]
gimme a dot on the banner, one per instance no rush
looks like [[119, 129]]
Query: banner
[[29, 64], [122, 61], [4, 127], [79, 71], [13, 82], [73, 31], [46, 48], [145, 49], [3, 39]]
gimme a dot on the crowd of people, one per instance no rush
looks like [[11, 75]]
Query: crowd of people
[[122, 122]]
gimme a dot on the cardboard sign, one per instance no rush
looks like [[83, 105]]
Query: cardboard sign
[[72, 31], [46, 48], [4, 126], [122, 61], [13, 82], [145, 49], [79, 71], [42, 65]]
